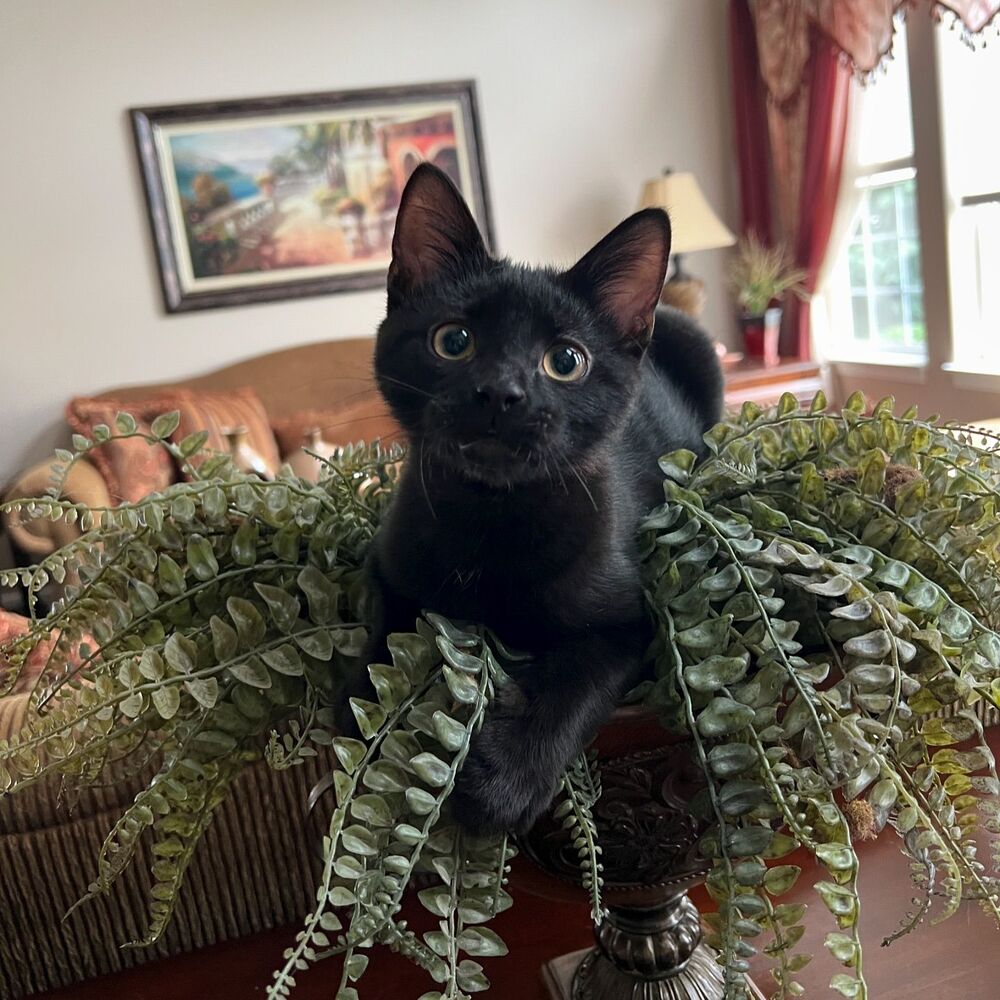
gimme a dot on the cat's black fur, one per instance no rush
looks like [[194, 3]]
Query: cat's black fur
[[520, 496]]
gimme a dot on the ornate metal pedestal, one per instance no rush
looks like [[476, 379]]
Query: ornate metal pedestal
[[649, 947]]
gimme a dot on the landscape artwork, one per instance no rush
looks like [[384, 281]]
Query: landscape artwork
[[257, 200]]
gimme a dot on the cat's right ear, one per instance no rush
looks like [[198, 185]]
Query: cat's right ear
[[435, 237], [623, 275]]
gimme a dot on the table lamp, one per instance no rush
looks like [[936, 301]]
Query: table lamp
[[695, 227]]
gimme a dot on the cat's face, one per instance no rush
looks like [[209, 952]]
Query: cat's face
[[506, 374]]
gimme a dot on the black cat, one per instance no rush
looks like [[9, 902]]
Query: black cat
[[536, 403]]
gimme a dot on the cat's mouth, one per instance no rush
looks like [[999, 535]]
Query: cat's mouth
[[492, 460], [486, 449]]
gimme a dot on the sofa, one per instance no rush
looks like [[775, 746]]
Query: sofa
[[277, 397], [238, 883]]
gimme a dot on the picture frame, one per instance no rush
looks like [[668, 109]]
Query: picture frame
[[268, 198]]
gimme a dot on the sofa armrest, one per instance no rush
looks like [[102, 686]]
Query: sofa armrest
[[37, 537]]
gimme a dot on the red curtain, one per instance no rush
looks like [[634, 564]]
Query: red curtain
[[826, 134], [750, 125], [796, 143], [792, 62]]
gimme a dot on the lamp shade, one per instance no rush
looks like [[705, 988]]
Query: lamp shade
[[695, 226]]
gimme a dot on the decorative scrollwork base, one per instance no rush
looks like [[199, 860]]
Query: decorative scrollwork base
[[650, 945], [653, 953], [598, 979], [592, 975], [651, 942], [647, 833]]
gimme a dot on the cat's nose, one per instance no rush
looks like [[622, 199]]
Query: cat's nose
[[499, 397]]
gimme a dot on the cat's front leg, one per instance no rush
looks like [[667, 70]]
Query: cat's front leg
[[538, 724]]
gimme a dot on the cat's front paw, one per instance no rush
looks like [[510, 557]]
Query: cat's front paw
[[505, 783]]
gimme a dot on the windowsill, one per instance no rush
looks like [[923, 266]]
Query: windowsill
[[973, 375], [968, 374], [909, 368], [879, 359], [981, 368]]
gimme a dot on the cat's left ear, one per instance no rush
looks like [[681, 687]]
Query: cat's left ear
[[435, 236], [623, 274]]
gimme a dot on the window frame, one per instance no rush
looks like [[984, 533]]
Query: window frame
[[959, 390], [927, 162], [833, 308], [839, 288]]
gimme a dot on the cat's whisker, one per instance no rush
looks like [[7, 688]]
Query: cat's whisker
[[573, 469], [548, 472], [423, 483], [370, 379], [562, 478], [405, 385], [339, 400], [324, 426], [365, 375]]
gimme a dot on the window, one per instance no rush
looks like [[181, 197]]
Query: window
[[874, 290], [969, 83], [883, 260]]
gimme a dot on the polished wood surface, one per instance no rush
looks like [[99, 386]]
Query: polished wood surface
[[958, 960], [751, 379], [535, 930]]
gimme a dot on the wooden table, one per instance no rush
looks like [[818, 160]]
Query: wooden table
[[958, 960], [534, 929]]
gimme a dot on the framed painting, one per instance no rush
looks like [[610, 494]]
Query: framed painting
[[280, 197]]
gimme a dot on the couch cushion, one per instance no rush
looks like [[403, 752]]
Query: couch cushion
[[360, 420], [218, 412], [132, 467]]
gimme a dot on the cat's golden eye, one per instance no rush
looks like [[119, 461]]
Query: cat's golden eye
[[565, 363], [453, 342]]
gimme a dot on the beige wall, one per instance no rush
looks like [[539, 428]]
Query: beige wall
[[580, 101]]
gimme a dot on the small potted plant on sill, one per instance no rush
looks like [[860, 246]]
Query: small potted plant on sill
[[759, 277]]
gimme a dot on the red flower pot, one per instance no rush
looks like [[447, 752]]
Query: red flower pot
[[761, 335]]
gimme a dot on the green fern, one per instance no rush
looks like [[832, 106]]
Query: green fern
[[824, 584]]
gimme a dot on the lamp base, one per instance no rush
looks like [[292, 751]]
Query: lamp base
[[686, 294]]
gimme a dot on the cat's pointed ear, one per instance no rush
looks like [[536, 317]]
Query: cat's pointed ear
[[435, 233], [623, 275]]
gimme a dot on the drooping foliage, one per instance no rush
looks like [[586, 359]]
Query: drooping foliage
[[824, 586], [825, 592]]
